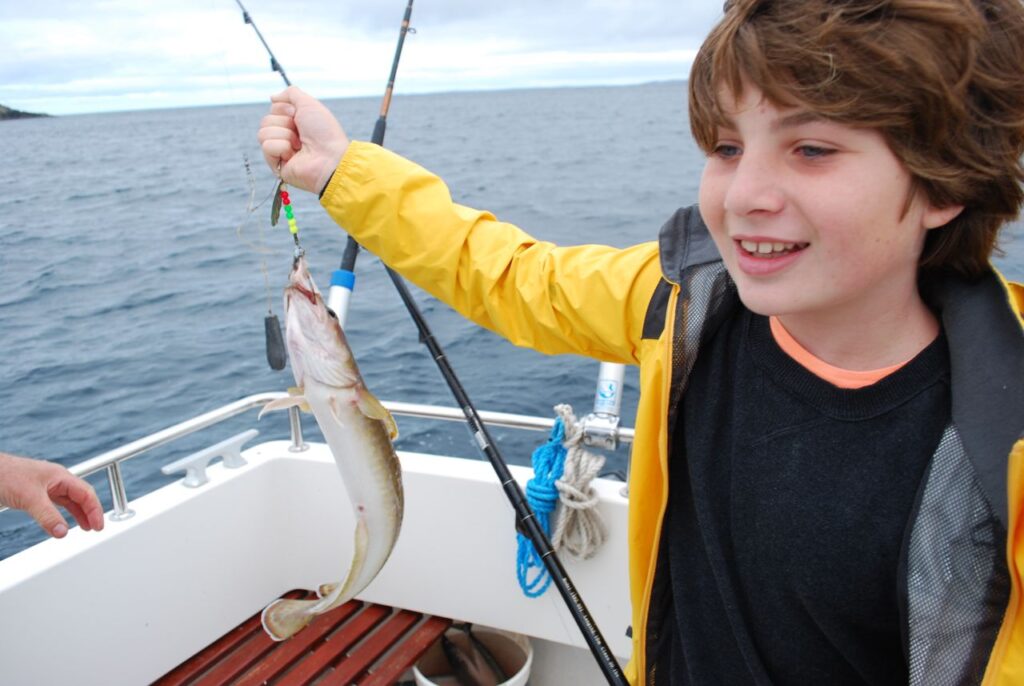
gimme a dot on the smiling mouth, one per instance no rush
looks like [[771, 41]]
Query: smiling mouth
[[766, 250]]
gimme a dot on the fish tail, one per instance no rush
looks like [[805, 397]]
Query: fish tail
[[284, 618]]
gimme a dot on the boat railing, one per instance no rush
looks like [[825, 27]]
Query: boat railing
[[112, 459]]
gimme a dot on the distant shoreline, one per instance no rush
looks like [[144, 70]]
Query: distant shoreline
[[375, 96], [8, 113]]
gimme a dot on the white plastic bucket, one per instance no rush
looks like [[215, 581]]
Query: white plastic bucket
[[512, 651]]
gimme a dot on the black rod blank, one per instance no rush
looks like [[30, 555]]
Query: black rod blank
[[274, 64], [526, 522]]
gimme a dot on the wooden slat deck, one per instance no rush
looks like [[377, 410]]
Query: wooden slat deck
[[357, 643]]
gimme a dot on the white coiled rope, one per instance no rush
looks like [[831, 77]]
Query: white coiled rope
[[579, 527]]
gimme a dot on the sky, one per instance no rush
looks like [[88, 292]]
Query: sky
[[76, 56]]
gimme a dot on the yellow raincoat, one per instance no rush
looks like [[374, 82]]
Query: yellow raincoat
[[646, 305]]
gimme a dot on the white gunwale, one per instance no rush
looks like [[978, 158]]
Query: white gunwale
[[125, 605]]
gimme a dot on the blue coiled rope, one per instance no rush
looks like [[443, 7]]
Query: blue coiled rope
[[541, 494]]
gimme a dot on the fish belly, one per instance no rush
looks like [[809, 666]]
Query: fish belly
[[371, 475]]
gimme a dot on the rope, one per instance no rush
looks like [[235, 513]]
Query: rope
[[580, 529], [563, 471], [542, 495]]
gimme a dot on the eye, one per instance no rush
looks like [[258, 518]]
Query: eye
[[814, 152], [726, 151], [330, 313]]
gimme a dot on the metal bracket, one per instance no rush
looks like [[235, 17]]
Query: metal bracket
[[194, 466], [601, 431]]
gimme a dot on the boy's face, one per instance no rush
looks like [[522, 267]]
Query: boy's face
[[811, 216]]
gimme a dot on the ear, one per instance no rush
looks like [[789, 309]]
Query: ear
[[934, 217]]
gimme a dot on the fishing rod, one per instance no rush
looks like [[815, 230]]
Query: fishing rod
[[274, 64], [344, 278], [526, 521]]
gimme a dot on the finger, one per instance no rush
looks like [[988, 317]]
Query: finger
[[267, 133], [275, 121], [48, 517], [89, 515], [76, 511], [291, 94], [84, 504], [283, 108], [276, 147], [277, 153]]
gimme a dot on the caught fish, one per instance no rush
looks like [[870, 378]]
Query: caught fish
[[472, 664], [359, 432]]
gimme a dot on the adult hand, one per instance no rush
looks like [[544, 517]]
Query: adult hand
[[302, 141], [37, 487]]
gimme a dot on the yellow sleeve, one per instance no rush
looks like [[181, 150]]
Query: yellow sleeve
[[588, 299]]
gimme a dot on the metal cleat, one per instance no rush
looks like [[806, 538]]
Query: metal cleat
[[601, 431], [194, 465]]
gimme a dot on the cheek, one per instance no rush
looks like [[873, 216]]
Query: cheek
[[710, 199], [709, 195], [712, 211]]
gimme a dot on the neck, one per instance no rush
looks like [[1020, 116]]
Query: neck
[[862, 341]]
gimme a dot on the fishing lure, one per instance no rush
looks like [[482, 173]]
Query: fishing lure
[[282, 199], [276, 353]]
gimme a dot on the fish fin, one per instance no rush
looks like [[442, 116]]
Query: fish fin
[[284, 618], [296, 398], [372, 408], [300, 392], [324, 590]]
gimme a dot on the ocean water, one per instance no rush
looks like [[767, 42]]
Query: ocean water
[[133, 281]]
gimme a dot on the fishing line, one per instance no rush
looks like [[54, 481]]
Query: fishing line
[[526, 522], [277, 356], [258, 247]]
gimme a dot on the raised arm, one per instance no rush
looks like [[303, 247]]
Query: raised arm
[[589, 299]]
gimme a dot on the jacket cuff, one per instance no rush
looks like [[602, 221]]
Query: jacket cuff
[[349, 173]]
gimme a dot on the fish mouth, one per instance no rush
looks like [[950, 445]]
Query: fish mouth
[[301, 280], [310, 295]]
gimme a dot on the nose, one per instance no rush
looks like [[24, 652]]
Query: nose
[[755, 185]]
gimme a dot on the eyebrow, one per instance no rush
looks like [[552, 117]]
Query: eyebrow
[[797, 119], [787, 122]]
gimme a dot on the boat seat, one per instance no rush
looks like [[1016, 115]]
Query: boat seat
[[356, 643]]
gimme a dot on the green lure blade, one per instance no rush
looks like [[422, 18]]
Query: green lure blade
[[275, 209]]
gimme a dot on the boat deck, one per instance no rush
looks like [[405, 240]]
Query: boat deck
[[358, 643]]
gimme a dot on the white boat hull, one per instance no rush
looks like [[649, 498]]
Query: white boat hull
[[125, 605]]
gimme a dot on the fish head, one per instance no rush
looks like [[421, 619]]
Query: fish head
[[316, 344]]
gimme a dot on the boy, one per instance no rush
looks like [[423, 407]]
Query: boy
[[825, 481]]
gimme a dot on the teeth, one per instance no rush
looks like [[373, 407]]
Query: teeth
[[759, 248]]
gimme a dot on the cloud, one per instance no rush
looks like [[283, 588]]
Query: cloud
[[64, 56]]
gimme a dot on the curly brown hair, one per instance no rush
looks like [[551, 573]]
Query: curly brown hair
[[941, 80]]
